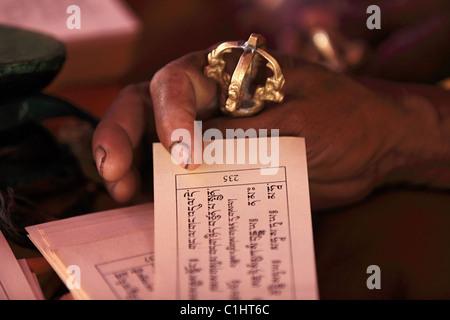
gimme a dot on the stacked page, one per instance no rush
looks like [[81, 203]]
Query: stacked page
[[106, 255], [17, 282]]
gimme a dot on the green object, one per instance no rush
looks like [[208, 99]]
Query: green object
[[38, 107], [40, 177], [29, 61]]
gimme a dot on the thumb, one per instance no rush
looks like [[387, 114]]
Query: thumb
[[180, 93]]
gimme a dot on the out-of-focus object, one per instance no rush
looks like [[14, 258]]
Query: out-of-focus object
[[236, 98], [100, 51], [29, 61], [34, 166], [445, 83], [337, 53]]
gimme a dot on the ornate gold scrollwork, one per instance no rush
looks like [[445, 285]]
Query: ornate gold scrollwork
[[236, 99]]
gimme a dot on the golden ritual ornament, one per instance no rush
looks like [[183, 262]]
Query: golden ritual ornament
[[236, 100]]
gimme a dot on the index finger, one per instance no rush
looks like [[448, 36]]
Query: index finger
[[180, 93]]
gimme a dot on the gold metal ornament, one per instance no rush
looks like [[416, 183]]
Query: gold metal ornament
[[236, 100]]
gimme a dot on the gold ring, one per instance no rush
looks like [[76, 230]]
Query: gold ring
[[236, 100]]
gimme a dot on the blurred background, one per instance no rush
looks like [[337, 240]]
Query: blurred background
[[411, 46], [175, 27], [123, 41]]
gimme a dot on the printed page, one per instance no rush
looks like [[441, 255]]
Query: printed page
[[119, 268], [235, 231], [13, 283], [105, 256]]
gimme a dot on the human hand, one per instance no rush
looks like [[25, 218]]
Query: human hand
[[352, 129]]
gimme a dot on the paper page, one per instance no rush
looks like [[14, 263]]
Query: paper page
[[32, 279], [13, 283], [105, 256], [117, 268], [233, 231]]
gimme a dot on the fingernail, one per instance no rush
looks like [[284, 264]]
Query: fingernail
[[180, 154], [100, 156]]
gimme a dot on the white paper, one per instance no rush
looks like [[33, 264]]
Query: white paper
[[112, 252], [13, 283], [229, 231]]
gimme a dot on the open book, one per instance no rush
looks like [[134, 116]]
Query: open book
[[221, 231]]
